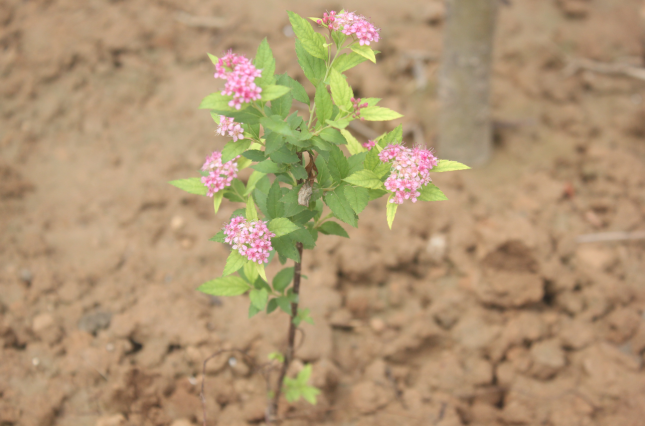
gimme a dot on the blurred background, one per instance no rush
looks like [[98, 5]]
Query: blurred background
[[508, 304]]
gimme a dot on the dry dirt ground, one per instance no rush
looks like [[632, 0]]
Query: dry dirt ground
[[480, 310]]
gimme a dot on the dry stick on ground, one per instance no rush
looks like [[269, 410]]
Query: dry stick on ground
[[610, 236], [576, 64], [289, 355]]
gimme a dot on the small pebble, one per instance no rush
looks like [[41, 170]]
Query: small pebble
[[35, 362], [176, 223], [233, 361], [26, 275], [378, 325], [109, 347], [192, 380]]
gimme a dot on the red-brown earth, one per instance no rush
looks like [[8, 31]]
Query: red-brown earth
[[480, 310]]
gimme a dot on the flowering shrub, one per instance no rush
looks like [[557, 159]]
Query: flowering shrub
[[302, 181]]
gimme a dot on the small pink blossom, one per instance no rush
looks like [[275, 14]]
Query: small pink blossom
[[409, 172], [228, 127], [251, 239], [357, 106], [358, 25], [220, 175], [368, 145], [239, 73]]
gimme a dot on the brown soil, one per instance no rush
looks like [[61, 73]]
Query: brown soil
[[480, 310]]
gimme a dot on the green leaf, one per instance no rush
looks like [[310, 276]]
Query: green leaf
[[391, 209], [283, 156], [354, 147], [338, 164], [376, 193], [341, 91], [250, 271], [190, 185], [253, 310], [235, 261], [338, 37], [254, 155], [219, 237], [312, 41], [357, 197], [285, 304], [245, 116], [268, 166], [283, 279], [323, 104], [217, 200], [309, 394], [372, 160], [215, 117], [261, 200], [276, 124], [251, 212], [339, 205], [225, 286], [314, 68], [365, 179], [305, 215], [332, 135], [377, 113], [271, 307], [431, 192], [298, 91], [356, 162], [281, 226], [269, 93], [219, 102], [320, 144], [347, 60], [323, 177], [303, 315], [273, 142], [265, 61], [274, 207], [449, 166], [333, 228], [303, 235], [258, 298], [364, 51], [282, 105], [285, 247], [233, 149], [394, 136], [341, 123]]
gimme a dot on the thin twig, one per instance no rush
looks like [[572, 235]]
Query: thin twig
[[576, 64], [201, 21], [610, 236]]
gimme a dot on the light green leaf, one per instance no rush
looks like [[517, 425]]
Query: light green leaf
[[312, 41], [341, 123], [232, 149], [272, 92], [357, 197], [314, 68], [251, 212], [217, 200], [213, 59], [250, 271], [365, 179], [333, 135], [449, 166], [298, 91], [391, 209], [285, 247], [190, 185], [258, 298], [268, 166], [276, 124], [225, 286], [338, 164], [253, 180], [333, 228], [353, 144], [216, 117], [431, 192], [281, 226], [323, 104], [274, 207], [265, 61], [260, 267], [219, 102], [377, 113], [364, 51], [341, 91], [235, 261], [347, 60]]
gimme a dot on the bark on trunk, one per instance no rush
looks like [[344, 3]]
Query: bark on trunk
[[464, 122]]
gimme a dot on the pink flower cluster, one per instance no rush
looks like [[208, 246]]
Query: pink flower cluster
[[239, 73], [410, 170], [368, 145], [251, 239], [229, 127], [359, 26], [357, 105], [220, 175], [328, 20]]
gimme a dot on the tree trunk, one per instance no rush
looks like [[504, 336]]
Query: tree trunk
[[465, 125]]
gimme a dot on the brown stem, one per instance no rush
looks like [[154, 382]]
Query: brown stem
[[289, 355]]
